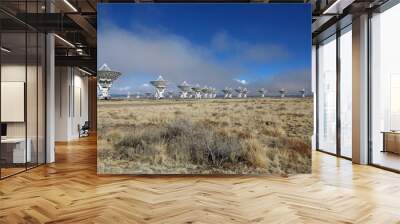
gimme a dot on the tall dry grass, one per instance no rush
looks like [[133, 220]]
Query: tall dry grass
[[249, 136]]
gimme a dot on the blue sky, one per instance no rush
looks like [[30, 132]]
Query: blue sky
[[255, 45]]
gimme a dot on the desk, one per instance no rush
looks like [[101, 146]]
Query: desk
[[15, 148], [391, 141]]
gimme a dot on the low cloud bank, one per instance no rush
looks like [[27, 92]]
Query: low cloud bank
[[143, 54]]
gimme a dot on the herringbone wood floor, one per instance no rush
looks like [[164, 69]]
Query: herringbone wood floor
[[69, 191]]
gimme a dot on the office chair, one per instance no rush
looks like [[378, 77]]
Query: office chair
[[84, 130]]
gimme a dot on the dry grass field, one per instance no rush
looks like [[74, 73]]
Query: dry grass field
[[209, 136]]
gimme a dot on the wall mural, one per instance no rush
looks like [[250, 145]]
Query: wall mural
[[204, 89]]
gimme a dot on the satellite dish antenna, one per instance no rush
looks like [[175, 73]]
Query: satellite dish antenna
[[226, 92], [159, 84], [262, 92], [190, 93], [230, 92], [303, 93], [213, 93], [244, 92], [205, 91], [185, 88], [282, 92], [197, 91], [239, 91], [106, 77]]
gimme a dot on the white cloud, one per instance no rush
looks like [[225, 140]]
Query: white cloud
[[155, 53], [245, 51], [241, 81], [145, 54]]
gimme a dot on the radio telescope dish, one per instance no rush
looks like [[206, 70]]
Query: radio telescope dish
[[227, 92], [205, 91], [197, 91], [185, 88], [190, 94], [282, 92], [239, 91], [159, 84], [213, 92], [106, 77], [303, 93], [244, 92], [262, 92]]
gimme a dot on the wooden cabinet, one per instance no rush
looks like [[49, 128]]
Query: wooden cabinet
[[391, 142]]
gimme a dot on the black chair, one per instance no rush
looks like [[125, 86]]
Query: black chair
[[84, 130]]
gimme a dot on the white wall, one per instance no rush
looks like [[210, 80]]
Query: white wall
[[62, 81], [17, 73], [71, 102], [80, 104], [33, 125]]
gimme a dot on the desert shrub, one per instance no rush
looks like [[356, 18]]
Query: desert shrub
[[113, 136], [201, 144], [272, 130], [281, 107], [132, 116], [244, 134], [299, 145], [291, 161], [160, 153], [178, 112], [254, 152], [181, 141], [209, 122]]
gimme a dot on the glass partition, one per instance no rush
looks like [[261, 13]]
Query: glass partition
[[346, 92], [22, 88], [385, 89], [327, 95], [13, 94]]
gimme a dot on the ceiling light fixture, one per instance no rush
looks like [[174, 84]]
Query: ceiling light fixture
[[328, 10], [337, 7], [64, 40], [79, 51], [70, 5], [84, 71], [5, 50]]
